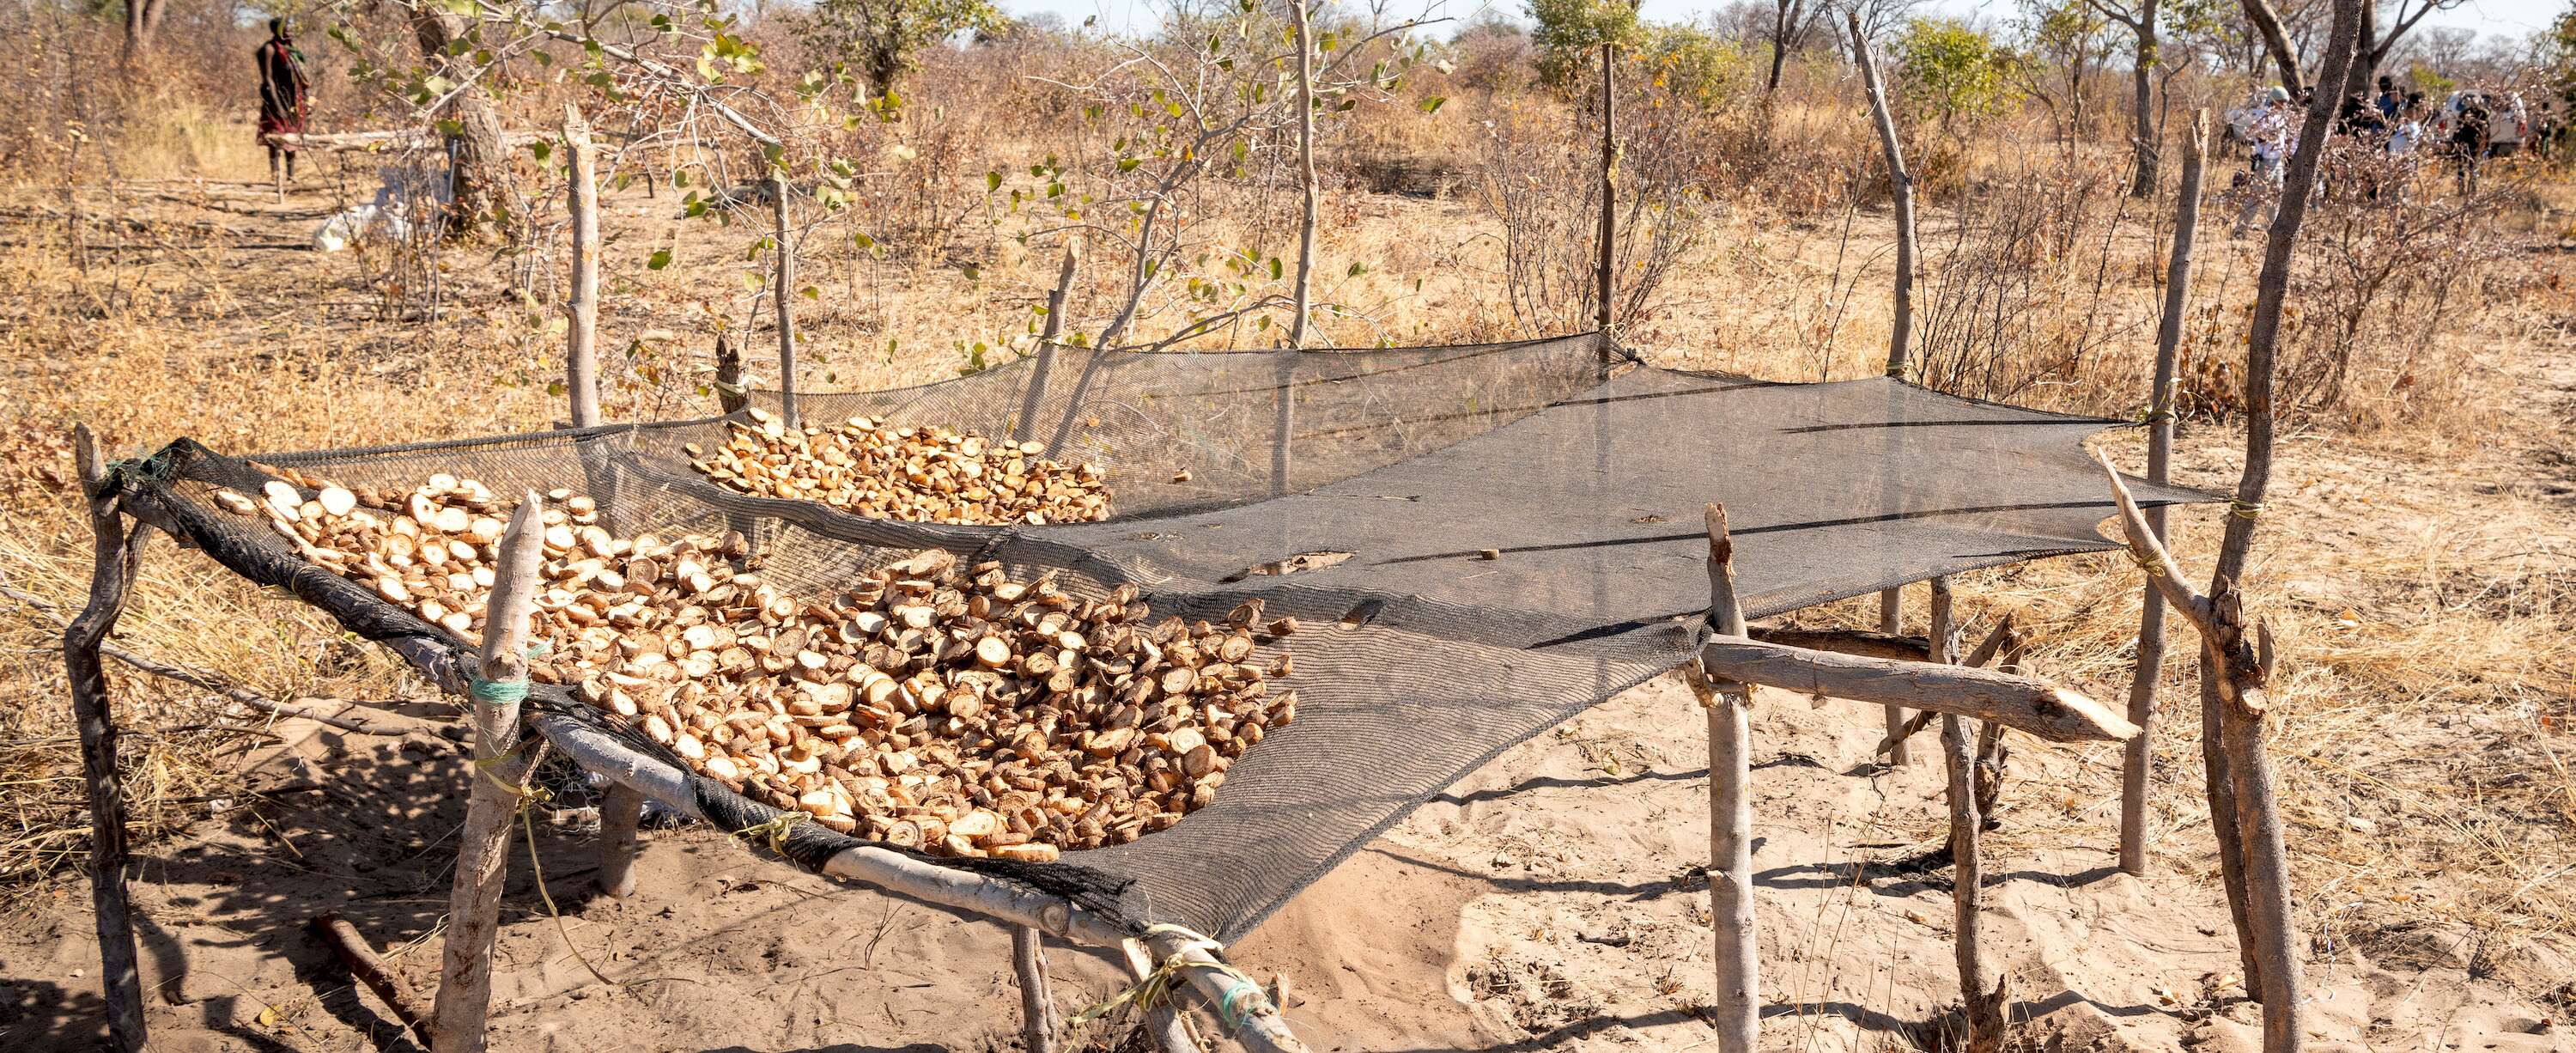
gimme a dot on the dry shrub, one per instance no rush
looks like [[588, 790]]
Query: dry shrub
[[1543, 185]]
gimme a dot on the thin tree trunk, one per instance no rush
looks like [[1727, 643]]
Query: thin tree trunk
[[1900, 336], [1606, 280], [581, 342], [498, 767], [2276, 41], [1033, 399], [1738, 1005], [1038, 1023], [111, 582], [1980, 993], [2137, 774], [1305, 175], [483, 185], [1891, 621], [2261, 348], [785, 295], [2142, 182], [2240, 668]]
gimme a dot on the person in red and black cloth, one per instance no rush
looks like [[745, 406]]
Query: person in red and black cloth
[[283, 94]]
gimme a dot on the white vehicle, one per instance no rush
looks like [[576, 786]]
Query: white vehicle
[[2508, 123]]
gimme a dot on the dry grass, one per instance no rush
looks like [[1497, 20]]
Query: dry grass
[[2420, 566]]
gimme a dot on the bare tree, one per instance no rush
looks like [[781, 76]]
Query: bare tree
[[2375, 46], [1791, 22]]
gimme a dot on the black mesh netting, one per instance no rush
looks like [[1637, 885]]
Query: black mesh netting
[[1518, 538]]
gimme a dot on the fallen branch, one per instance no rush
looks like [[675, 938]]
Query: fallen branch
[[361, 959]]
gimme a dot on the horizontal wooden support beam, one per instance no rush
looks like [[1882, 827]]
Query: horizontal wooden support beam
[[2020, 702], [1848, 641]]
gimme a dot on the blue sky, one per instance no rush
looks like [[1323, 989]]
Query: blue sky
[[2509, 17]]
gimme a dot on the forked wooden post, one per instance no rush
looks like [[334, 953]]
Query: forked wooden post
[[482, 857], [1738, 1005], [2244, 666], [2137, 771], [581, 339], [1038, 1023], [785, 294], [1980, 993], [111, 581]]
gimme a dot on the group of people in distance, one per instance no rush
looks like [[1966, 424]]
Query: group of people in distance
[[2391, 127]]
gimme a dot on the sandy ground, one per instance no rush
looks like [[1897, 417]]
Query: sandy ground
[[1552, 901]]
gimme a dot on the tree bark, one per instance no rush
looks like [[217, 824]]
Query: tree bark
[[1038, 1023], [2137, 771], [484, 188], [2142, 182], [2239, 669], [1606, 276], [2276, 41], [1738, 1004], [1891, 622], [784, 294], [1900, 337], [111, 582], [581, 341], [1306, 187], [1980, 993]]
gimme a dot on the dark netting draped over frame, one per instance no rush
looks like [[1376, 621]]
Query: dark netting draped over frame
[[1484, 540]]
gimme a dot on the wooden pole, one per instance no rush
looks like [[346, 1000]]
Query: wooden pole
[[111, 582], [1891, 622], [1900, 336], [1048, 332], [1038, 1023], [354, 952], [1901, 188], [1982, 997], [2137, 771], [581, 198], [2244, 665], [1606, 273], [1738, 1005], [621, 822], [785, 294], [482, 859], [1306, 183]]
